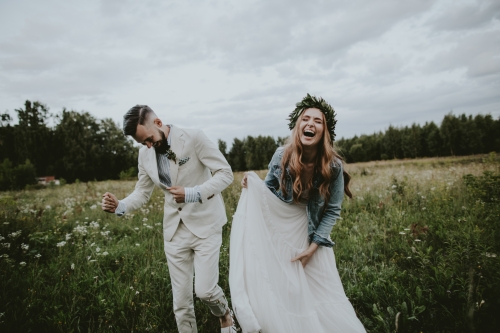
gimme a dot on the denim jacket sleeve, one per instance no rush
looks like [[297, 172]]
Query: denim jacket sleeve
[[272, 181], [321, 235]]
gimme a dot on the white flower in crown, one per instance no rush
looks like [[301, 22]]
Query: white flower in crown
[[183, 160]]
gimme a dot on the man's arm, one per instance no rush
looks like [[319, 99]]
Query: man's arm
[[210, 155]]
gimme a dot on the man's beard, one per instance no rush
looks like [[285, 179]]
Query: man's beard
[[164, 146]]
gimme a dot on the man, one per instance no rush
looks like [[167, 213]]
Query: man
[[192, 173]]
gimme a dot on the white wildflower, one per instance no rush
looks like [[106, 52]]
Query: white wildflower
[[80, 230], [490, 255], [417, 240], [6, 245], [61, 244], [137, 244], [97, 249], [14, 235], [5, 255], [72, 267], [423, 208], [136, 228], [423, 196], [433, 188], [38, 255], [105, 233], [6, 222], [25, 246], [144, 219], [68, 237], [157, 223], [93, 207], [394, 186], [22, 263], [105, 253], [93, 260], [48, 207], [406, 229], [94, 225], [402, 233], [131, 288], [2, 238], [137, 292], [464, 208]]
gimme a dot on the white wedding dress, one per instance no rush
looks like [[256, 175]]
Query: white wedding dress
[[270, 293]]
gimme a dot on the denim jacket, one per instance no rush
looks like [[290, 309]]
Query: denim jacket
[[320, 220]]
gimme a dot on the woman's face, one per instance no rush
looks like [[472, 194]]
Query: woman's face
[[311, 127]]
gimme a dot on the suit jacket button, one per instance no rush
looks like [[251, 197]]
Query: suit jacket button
[[179, 209]]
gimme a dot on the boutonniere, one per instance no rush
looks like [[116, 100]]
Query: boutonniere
[[171, 156], [183, 160]]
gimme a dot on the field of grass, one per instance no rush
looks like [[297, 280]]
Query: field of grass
[[417, 250]]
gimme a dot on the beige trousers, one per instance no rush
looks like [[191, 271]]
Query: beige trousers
[[188, 255]]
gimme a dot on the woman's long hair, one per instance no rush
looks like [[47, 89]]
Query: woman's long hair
[[292, 158]]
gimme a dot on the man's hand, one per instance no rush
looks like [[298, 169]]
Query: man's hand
[[109, 202], [244, 183], [305, 256], [178, 193]]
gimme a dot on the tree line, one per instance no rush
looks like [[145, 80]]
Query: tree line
[[77, 146], [70, 145], [456, 136]]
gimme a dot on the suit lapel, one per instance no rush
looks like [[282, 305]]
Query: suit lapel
[[177, 146]]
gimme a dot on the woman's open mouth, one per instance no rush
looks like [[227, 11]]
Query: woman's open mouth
[[309, 133]]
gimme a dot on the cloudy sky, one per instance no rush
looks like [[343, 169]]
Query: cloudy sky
[[237, 68]]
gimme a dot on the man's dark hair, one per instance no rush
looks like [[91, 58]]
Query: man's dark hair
[[135, 116]]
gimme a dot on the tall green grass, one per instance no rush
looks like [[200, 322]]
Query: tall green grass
[[417, 247]]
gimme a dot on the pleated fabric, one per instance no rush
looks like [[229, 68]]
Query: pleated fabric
[[270, 293]]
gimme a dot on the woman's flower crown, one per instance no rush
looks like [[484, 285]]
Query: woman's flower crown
[[318, 103]]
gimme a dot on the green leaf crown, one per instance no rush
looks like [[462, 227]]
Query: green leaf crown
[[318, 103]]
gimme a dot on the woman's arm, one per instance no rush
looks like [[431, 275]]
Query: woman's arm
[[332, 212]]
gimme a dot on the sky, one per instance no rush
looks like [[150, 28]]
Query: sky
[[237, 68]]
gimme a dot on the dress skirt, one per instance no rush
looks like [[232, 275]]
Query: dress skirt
[[270, 293]]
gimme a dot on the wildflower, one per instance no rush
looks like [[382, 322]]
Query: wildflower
[[94, 225], [136, 228], [25, 246], [61, 244], [80, 230], [5, 255], [92, 260], [402, 233], [6, 222], [105, 253], [72, 267], [86, 218], [464, 208], [144, 219], [68, 237], [394, 186], [22, 263], [137, 244], [406, 229], [105, 233], [6, 245], [93, 207], [423, 196], [490, 255], [14, 235], [417, 240], [48, 207], [157, 223], [2, 238], [38, 255], [137, 292], [97, 249], [96, 277], [131, 288], [103, 300], [433, 188], [423, 208]]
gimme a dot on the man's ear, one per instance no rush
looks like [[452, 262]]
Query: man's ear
[[157, 122]]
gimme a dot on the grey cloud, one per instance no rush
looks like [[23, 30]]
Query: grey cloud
[[469, 15]]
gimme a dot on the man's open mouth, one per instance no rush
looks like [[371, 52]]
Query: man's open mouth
[[308, 133]]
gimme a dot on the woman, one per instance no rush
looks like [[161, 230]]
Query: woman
[[283, 276]]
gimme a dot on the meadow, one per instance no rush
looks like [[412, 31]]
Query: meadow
[[417, 250]]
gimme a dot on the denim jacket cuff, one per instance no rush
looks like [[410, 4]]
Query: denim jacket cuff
[[321, 241]]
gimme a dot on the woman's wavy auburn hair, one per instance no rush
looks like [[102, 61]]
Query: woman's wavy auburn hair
[[292, 158]]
